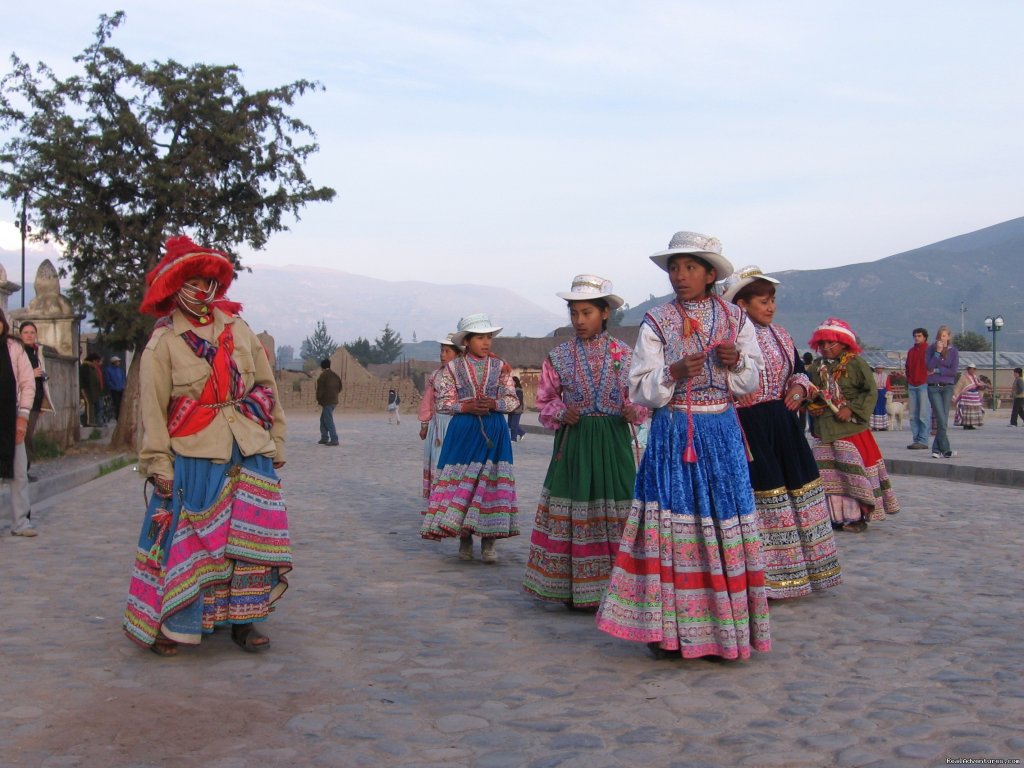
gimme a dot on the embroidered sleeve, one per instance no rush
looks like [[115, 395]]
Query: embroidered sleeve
[[549, 397], [506, 401], [745, 377], [446, 398]]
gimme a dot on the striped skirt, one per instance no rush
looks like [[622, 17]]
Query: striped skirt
[[587, 495], [215, 553], [855, 478], [689, 574], [475, 492]]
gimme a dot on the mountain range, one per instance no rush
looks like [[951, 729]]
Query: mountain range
[[882, 300]]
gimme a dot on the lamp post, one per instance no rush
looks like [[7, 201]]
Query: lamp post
[[22, 224], [994, 325]]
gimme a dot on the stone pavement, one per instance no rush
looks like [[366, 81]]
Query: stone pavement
[[389, 651]]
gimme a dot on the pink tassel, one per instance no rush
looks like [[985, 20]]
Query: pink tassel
[[690, 455]]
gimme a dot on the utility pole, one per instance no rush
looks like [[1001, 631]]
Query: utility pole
[[963, 311]]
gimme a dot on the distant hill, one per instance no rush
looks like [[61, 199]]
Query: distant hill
[[288, 302], [885, 300]]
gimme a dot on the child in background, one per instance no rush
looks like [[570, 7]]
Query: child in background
[[588, 490], [475, 492], [689, 575], [433, 425]]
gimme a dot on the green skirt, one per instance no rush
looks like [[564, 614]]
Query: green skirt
[[587, 495]]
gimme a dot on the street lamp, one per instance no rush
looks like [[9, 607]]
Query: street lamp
[[994, 325]]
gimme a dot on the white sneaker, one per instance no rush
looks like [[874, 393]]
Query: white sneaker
[[936, 455]]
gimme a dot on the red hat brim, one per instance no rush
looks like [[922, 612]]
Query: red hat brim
[[183, 261]]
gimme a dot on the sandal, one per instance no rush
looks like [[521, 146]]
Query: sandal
[[859, 527], [164, 647], [248, 638]]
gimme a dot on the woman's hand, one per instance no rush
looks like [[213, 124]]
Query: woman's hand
[[571, 416], [795, 397], [629, 413], [478, 406], [423, 431], [845, 414], [279, 464], [687, 367], [728, 355]]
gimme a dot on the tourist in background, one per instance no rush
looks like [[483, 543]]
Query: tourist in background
[[917, 391], [588, 488], [328, 387], [434, 425], [842, 398], [475, 492], [114, 381], [942, 361], [796, 535], [689, 574], [214, 547], [90, 381], [394, 412], [1017, 393], [967, 399], [17, 393], [41, 402]]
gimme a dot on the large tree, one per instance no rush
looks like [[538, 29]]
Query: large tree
[[388, 345], [969, 341], [319, 345], [117, 157]]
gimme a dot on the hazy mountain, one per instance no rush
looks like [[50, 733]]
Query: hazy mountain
[[885, 300], [288, 302]]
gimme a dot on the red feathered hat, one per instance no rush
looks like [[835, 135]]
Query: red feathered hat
[[183, 261], [835, 329]]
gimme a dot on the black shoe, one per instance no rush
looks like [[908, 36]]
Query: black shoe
[[333, 442], [322, 441]]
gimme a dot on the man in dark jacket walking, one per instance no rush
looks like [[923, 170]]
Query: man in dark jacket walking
[[328, 387]]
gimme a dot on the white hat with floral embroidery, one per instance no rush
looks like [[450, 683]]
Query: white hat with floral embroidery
[[479, 323], [590, 287]]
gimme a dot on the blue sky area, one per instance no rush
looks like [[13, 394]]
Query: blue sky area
[[519, 143]]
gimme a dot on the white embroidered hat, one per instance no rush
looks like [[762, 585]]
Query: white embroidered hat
[[741, 278], [479, 323], [447, 341], [590, 287], [695, 244]]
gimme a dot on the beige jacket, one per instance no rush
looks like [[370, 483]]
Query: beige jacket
[[170, 368]]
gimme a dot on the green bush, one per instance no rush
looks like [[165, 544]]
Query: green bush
[[45, 447], [96, 434]]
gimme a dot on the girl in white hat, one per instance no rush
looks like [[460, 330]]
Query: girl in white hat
[[689, 574], [475, 492], [583, 393], [796, 532]]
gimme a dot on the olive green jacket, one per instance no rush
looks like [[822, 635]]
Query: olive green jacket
[[860, 392]]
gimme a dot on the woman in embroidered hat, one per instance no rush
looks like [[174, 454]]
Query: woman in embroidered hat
[[214, 547], [841, 399], [588, 489], [475, 493], [689, 574], [799, 546], [880, 416], [967, 399], [434, 425]]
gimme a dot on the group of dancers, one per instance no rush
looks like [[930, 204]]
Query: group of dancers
[[730, 506]]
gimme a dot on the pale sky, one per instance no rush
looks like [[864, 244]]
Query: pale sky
[[520, 143]]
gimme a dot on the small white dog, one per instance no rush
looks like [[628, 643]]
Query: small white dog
[[896, 410]]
